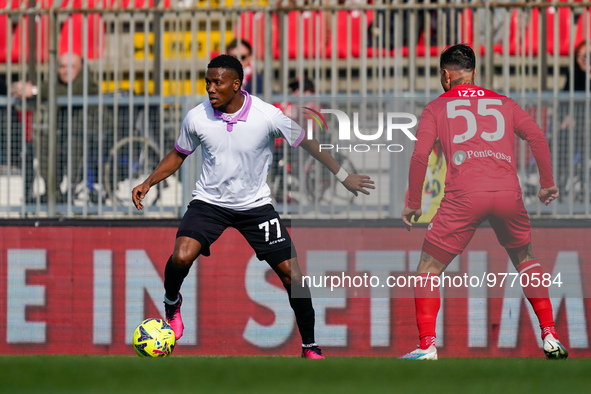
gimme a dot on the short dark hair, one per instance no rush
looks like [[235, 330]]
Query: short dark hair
[[458, 57], [308, 85], [234, 44], [228, 62]]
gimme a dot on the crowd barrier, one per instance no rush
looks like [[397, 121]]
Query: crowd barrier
[[149, 61], [97, 166]]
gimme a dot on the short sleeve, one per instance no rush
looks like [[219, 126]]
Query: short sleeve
[[188, 139], [286, 127]]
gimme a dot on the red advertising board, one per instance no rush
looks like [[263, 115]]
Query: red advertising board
[[82, 290]]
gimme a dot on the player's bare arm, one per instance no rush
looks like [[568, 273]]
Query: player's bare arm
[[409, 214], [168, 166], [548, 194], [354, 182]]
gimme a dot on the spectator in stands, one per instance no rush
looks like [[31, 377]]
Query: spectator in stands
[[574, 121], [244, 53], [294, 86], [16, 139], [581, 65], [69, 72]]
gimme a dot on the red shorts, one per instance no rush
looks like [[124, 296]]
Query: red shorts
[[458, 218]]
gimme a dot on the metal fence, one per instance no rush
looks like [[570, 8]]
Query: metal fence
[[80, 154]]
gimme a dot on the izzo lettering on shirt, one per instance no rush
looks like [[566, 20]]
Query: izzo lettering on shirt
[[471, 93]]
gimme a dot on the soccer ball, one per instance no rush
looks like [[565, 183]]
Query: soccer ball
[[153, 338]]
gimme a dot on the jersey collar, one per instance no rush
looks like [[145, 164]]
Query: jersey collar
[[241, 116]]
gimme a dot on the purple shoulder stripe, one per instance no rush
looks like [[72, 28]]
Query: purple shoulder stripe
[[300, 139], [183, 151]]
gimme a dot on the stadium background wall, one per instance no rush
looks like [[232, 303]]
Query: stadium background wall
[[72, 289]]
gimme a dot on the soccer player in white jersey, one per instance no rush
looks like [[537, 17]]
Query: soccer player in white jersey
[[236, 133]]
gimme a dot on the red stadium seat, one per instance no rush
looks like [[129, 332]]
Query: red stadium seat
[[530, 43], [532, 29], [3, 38], [252, 25], [21, 33], [355, 32], [313, 26], [467, 27], [583, 24], [343, 33], [467, 30], [95, 29], [513, 33], [564, 15]]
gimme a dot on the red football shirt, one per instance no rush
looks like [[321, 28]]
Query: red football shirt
[[475, 127]]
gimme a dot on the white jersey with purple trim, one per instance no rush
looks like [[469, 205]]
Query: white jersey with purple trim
[[237, 151]]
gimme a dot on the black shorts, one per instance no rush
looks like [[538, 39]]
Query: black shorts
[[261, 227]]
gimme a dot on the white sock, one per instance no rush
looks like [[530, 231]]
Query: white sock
[[169, 302]]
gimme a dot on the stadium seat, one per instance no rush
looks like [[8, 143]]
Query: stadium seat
[[312, 24], [530, 43], [564, 17], [21, 32], [513, 33], [252, 25], [95, 28], [3, 39], [343, 33], [467, 27], [527, 45], [17, 36], [252, 20], [582, 23]]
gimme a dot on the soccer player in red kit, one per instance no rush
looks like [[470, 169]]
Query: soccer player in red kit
[[475, 127]]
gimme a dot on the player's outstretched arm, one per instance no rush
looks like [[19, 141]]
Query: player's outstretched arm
[[408, 214], [167, 166], [353, 182], [548, 194]]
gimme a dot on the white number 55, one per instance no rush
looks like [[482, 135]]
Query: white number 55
[[453, 112]]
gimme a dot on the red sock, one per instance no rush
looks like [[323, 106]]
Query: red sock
[[427, 341], [427, 303], [549, 330], [537, 294]]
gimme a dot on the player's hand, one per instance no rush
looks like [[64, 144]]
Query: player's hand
[[408, 214], [138, 193], [548, 194], [358, 183]]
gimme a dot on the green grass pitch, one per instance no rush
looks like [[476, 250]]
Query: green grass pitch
[[184, 374]]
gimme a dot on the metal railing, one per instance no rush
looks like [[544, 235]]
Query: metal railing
[[149, 63]]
